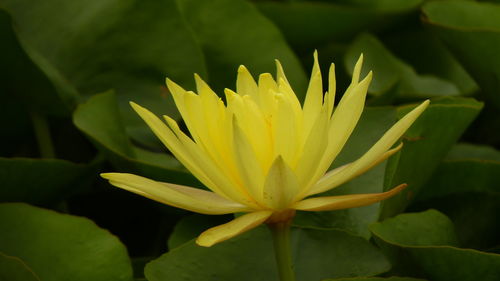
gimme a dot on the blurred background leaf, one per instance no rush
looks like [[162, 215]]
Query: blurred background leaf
[[61, 247], [71, 67]]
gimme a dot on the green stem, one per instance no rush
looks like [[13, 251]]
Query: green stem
[[281, 239], [42, 134]]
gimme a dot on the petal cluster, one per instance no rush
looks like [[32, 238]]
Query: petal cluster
[[262, 152]]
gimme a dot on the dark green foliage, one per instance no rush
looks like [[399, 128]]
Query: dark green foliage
[[70, 68]]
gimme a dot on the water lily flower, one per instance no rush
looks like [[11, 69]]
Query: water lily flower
[[262, 153]]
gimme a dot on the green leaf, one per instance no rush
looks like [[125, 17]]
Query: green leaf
[[372, 125], [42, 181], [308, 25], [61, 247], [191, 226], [471, 30], [317, 254], [14, 269], [391, 75], [423, 240], [475, 215], [425, 144], [469, 175], [129, 46], [469, 172], [236, 33], [17, 68], [428, 55], [376, 279], [430, 228], [100, 120]]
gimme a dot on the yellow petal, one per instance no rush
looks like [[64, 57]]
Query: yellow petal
[[179, 196], [280, 73], [253, 124], [286, 130], [314, 148], [176, 146], [245, 84], [217, 181], [314, 96], [178, 94], [267, 86], [280, 186], [357, 70], [342, 123], [330, 203], [330, 96], [347, 172], [287, 91], [248, 165], [375, 154], [237, 226]]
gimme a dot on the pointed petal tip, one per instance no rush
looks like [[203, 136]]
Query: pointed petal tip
[[242, 68], [233, 228], [204, 243], [136, 107], [340, 202], [107, 176]]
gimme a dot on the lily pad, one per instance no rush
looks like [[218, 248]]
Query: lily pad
[[318, 254], [428, 240], [14, 269], [392, 75], [61, 247], [237, 33], [425, 144], [100, 120], [376, 279], [471, 31], [308, 25], [42, 181], [469, 175], [129, 46]]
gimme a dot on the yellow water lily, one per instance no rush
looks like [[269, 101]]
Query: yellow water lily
[[263, 153]]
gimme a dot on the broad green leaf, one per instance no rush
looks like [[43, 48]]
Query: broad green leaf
[[309, 25], [236, 33], [372, 125], [42, 181], [391, 75], [475, 215], [61, 247], [14, 269], [428, 55], [93, 46], [464, 170], [376, 279], [318, 254], [39, 94], [429, 228], [424, 240], [425, 144], [191, 226], [471, 30], [467, 151], [100, 120], [466, 188]]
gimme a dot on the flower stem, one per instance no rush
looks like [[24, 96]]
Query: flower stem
[[42, 134], [281, 239]]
